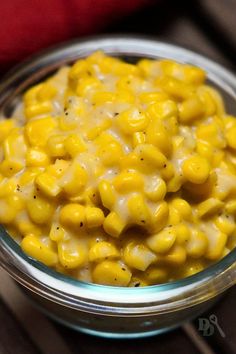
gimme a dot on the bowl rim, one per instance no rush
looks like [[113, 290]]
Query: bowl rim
[[216, 72]]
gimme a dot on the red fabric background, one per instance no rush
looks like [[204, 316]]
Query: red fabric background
[[29, 25]]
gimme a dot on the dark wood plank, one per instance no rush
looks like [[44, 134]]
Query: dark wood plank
[[13, 340], [173, 342]]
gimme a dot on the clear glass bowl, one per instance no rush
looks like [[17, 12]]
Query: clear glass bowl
[[103, 310]]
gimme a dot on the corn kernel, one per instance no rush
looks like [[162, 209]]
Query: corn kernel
[[183, 234], [138, 209], [209, 207], [196, 169], [94, 217], [74, 179], [138, 256], [183, 208], [103, 250], [40, 210], [57, 233], [158, 135], [56, 146], [111, 273], [34, 248], [113, 224], [162, 241], [149, 154], [216, 246], [46, 92], [7, 212], [36, 157], [190, 110], [197, 244], [176, 256], [156, 190], [230, 137], [48, 184], [225, 224], [73, 215], [71, 256], [156, 275], [107, 194], [160, 216], [74, 145], [132, 120], [162, 110], [127, 182], [139, 138], [38, 109], [38, 131]]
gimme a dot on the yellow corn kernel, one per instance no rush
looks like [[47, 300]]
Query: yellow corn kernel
[[176, 256], [197, 244], [149, 154], [174, 216], [31, 94], [103, 250], [46, 92], [230, 137], [190, 110], [16, 201], [167, 172], [27, 227], [72, 215], [225, 224], [192, 267], [156, 190], [38, 109], [205, 150], [94, 217], [196, 169], [96, 131], [36, 157], [162, 110], [212, 134], [230, 206], [113, 224], [47, 184], [107, 194], [175, 88], [57, 233], [152, 97], [162, 241], [111, 273], [132, 120], [86, 85], [56, 146], [38, 131], [74, 145], [183, 234], [127, 182], [193, 74], [139, 211], [216, 246], [160, 216], [28, 176], [10, 167], [34, 248], [6, 126], [71, 256], [100, 98], [207, 100], [174, 184], [158, 135], [14, 146], [7, 212], [74, 179], [79, 67], [156, 275], [183, 208], [109, 149], [40, 210], [59, 168], [139, 138], [209, 207], [138, 256], [124, 96]]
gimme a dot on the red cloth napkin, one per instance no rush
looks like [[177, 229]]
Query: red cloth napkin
[[29, 25]]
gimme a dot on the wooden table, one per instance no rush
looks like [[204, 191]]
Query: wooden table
[[208, 27]]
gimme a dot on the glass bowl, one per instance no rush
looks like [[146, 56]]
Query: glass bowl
[[104, 310]]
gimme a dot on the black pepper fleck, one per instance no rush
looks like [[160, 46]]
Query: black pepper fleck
[[81, 224], [137, 285], [34, 196]]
